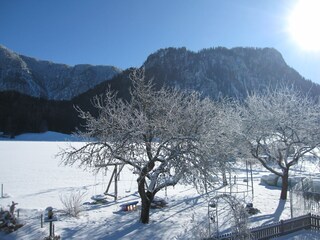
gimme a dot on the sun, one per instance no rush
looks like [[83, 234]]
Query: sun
[[304, 24]]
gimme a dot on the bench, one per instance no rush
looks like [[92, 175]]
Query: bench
[[130, 206]]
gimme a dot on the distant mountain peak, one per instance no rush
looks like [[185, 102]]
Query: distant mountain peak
[[39, 78], [221, 71]]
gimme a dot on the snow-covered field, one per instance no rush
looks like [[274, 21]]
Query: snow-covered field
[[32, 176]]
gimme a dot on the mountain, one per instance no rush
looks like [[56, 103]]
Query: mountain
[[214, 72], [224, 72], [49, 80]]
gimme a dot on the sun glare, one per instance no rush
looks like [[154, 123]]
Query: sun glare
[[304, 24]]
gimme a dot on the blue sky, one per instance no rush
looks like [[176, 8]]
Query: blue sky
[[124, 32]]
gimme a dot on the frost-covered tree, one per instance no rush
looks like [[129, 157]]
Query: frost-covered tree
[[224, 136], [163, 134], [280, 127]]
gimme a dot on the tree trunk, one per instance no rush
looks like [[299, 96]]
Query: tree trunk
[[146, 199], [145, 211], [145, 207], [285, 184], [146, 196]]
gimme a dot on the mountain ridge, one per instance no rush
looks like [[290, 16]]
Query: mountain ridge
[[45, 79], [220, 71]]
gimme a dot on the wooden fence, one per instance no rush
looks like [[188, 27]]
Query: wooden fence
[[308, 221]]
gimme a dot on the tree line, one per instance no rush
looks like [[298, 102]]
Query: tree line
[[20, 113]]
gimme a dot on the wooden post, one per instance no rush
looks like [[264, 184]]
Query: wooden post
[[41, 220], [230, 182], [109, 184], [310, 221], [50, 229], [281, 228], [291, 201], [251, 180], [217, 216], [115, 183], [209, 219], [1, 190], [247, 175], [205, 186]]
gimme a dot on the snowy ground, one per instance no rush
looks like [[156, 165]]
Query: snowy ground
[[31, 175]]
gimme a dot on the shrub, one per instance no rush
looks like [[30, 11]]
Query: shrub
[[72, 203]]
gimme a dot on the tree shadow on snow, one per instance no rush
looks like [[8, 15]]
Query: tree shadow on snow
[[272, 218], [269, 187], [119, 226], [190, 202], [59, 191]]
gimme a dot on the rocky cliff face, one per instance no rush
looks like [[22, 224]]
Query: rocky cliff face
[[49, 80], [223, 72]]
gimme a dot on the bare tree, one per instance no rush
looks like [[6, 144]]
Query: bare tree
[[163, 134], [281, 126]]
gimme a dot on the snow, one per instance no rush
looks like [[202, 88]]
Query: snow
[[33, 177], [46, 136]]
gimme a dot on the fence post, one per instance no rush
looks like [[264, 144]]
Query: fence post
[[291, 201], [41, 220], [310, 221], [281, 228], [50, 229], [251, 181], [1, 190]]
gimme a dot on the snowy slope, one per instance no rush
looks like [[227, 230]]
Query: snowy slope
[[46, 136]]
